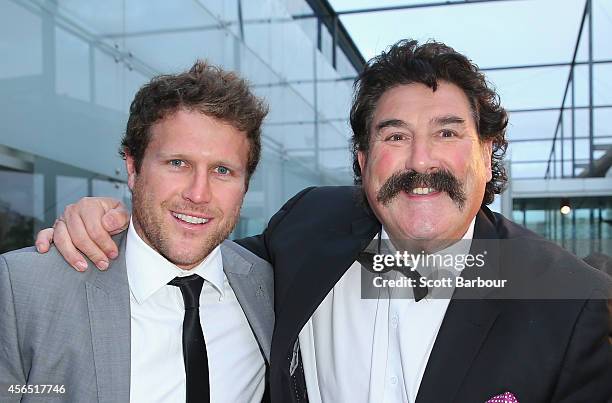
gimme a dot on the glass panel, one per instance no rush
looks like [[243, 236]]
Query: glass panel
[[17, 216], [585, 230], [71, 66], [76, 66], [20, 43], [530, 88], [486, 32], [68, 189]]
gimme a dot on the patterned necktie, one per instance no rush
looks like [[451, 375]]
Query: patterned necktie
[[194, 347]]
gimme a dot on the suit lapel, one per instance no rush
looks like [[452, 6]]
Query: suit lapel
[[109, 317], [465, 326], [331, 254], [464, 329], [254, 288]]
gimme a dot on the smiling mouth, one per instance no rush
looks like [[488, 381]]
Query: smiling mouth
[[190, 219], [422, 191]]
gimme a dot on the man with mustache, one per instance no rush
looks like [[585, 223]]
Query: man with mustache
[[428, 142], [182, 314]]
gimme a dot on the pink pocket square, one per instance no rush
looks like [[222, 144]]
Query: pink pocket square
[[505, 398]]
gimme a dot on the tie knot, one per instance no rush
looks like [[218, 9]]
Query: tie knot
[[191, 287]]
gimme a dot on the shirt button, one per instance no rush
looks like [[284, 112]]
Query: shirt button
[[394, 321], [394, 380]]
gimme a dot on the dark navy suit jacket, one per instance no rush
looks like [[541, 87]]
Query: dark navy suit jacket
[[549, 349]]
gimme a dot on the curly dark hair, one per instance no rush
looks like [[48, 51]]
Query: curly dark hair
[[205, 88], [408, 62]]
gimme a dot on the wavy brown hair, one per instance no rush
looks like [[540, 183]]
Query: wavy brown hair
[[408, 62], [205, 88]]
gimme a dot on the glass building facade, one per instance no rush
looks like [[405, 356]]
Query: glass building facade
[[586, 228], [70, 69]]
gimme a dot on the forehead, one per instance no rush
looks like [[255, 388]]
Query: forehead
[[416, 101], [196, 134]]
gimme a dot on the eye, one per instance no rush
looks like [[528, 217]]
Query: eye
[[395, 137], [447, 133], [222, 170], [177, 163]]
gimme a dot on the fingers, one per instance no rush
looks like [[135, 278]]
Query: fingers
[[82, 232], [63, 243], [84, 228], [44, 238], [91, 212], [116, 220]]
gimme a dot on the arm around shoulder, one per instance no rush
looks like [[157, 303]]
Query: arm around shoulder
[[259, 244]]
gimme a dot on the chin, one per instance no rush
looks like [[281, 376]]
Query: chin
[[422, 229], [185, 260], [421, 235]]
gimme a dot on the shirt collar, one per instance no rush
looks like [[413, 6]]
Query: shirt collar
[[148, 271], [454, 248], [461, 247]]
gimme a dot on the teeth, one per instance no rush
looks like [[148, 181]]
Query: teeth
[[191, 219], [422, 191]]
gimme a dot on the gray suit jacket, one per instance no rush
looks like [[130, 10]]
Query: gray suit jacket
[[62, 327]]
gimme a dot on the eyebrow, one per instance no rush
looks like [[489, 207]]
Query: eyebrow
[[447, 120], [169, 156], [391, 123]]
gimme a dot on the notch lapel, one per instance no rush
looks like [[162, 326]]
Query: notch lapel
[[253, 285], [466, 324], [464, 329], [330, 255], [108, 301]]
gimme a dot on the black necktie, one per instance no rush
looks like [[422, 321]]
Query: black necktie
[[194, 347], [366, 259]]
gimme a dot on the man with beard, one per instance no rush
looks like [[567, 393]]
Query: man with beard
[[428, 140], [182, 314]]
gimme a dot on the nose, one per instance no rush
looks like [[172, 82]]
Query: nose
[[422, 156], [198, 189]]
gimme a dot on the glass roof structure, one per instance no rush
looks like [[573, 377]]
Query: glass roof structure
[[71, 69], [550, 61]]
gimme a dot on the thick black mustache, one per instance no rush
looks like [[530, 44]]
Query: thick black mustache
[[441, 180]]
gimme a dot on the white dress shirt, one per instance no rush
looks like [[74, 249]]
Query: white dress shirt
[[370, 350], [236, 365]]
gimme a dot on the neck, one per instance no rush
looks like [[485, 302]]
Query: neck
[[421, 245], [141, 234], [432, 245]]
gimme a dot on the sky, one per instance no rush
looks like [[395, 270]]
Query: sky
[[506, 33]]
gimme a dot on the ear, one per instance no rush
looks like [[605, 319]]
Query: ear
[[130, 166], [362, 159], [487, 152]]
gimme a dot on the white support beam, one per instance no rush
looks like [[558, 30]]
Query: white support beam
[[567, 187]]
